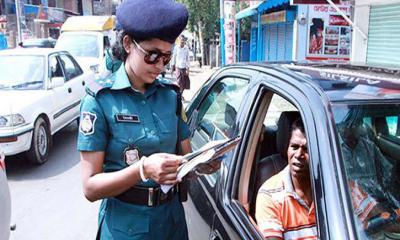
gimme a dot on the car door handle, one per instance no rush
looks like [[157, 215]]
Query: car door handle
[[83, 83], [69, 90]]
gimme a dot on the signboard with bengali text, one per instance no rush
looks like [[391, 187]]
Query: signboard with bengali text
[[297, 2], [329, 34], [273, 17]]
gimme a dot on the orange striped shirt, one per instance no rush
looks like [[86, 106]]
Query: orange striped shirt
[[281, 213]]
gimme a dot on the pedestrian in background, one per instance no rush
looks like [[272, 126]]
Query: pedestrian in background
[[131, 128], [111, 63], [181, 63]]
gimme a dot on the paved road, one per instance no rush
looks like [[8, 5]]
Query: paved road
[[47, 200]]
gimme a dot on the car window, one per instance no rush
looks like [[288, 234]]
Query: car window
[[369, 143], [275, 109], [22, 72], [55, 67], [70, 68], [393, 126], [84, 45], [265, 186], [217, 113], [271, 137]]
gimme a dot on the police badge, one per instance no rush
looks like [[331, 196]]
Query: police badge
[[88, 120], [131, 155]]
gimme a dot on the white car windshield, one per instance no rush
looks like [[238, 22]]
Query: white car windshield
[[369, 139], [22, 72], [79, 45]]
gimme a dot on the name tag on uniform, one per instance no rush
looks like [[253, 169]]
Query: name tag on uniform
[[127, 118]]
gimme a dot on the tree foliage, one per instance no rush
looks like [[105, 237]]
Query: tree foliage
[[245, 23], [203, 14]]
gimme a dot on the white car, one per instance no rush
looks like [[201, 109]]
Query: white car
[[5, 200], [40, 93], [87, 47]]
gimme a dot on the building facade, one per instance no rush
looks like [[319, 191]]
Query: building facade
[[281, 31], [43, 18], [379, 44]]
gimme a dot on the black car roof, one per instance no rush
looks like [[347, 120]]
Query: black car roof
[[344, 82]]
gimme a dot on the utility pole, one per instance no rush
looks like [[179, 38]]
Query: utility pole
[[222, 34], [18, 17]]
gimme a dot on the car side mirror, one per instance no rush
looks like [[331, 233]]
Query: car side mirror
[[56, 82]]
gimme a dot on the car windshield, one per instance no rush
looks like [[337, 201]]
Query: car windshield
[[22, 72], [79, 45], [369, 140], [37, 43]]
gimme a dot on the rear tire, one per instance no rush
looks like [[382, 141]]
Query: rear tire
[[40, 145]]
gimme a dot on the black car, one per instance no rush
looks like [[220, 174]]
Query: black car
[[39, 43], [258, 102]]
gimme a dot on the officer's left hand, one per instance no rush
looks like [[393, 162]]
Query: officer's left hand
[[162, 168]]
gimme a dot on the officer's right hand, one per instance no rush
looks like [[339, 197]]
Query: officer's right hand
[[162, 168]]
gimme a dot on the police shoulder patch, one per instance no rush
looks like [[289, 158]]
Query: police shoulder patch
[[87, 123], [97, 85]]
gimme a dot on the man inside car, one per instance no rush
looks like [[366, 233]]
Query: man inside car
[[371, 179], [364, 162], [285, 206]]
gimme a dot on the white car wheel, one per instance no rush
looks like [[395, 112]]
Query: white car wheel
[[40, 145]]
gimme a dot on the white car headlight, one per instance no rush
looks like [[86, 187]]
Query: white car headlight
[[11, 120], [95, 68]]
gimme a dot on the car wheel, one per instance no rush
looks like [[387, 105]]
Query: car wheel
[[40, 145]]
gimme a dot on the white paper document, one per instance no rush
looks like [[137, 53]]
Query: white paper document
[[207, 153]]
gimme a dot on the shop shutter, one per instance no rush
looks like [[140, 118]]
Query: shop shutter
[[280, 55], [384, 35], [253, 44], [263, 42], [288, 41], [273, 42], [266, 41]]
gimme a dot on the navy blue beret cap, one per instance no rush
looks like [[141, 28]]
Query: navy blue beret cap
[[146, 19]]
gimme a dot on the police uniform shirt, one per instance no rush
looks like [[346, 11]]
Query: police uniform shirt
[[118, 116]]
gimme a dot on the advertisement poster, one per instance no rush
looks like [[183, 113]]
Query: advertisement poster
[[329, 34], [230, 43]]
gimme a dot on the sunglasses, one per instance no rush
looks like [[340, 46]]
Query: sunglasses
[[152, 57]]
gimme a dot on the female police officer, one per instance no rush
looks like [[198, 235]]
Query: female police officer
[[130, 128]]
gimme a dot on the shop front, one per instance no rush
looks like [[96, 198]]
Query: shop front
[[297, 31], [271, 33], [379, 20], [277, 35]]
